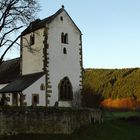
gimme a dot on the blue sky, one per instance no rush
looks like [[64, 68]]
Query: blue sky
[[111, 30]]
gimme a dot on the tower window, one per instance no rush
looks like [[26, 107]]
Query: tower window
[[32, 39], [61, 18], [64, 51], [64, 38]]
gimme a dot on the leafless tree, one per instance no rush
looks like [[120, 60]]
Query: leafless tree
[[14, 16]]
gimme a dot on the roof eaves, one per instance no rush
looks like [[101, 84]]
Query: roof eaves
[[40, 75], [42, 23], [11, 87]]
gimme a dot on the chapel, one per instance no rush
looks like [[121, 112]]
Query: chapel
[[49, 69]]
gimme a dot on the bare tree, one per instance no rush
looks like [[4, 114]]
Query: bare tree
[[14, 15]]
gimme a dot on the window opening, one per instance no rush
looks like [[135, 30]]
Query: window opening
[[32, 39], [64, 51], [65, 90], [35, 99], [64, 38], [61, 18]]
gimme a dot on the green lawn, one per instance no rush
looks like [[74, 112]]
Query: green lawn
[[118, 128], [110, 130], [113, 115]]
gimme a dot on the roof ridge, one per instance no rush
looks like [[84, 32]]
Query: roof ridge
[[43, 21], [11, 59]]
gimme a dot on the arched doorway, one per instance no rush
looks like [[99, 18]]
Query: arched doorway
[[65, 90]]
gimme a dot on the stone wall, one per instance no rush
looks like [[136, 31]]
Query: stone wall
[[42, 120]]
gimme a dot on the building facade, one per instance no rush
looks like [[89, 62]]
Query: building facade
[[51, 52]]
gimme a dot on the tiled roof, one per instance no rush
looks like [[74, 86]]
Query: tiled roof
[[37, 24], [21, 83], [9, 70]]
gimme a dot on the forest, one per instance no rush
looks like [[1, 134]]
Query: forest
[[116, 88]]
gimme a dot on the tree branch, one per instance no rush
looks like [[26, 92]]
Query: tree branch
[[14, 14], [8, 33], [5, 13], [8, 48]]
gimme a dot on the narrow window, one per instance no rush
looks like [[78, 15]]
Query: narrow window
[[64, 51], [61, 18], [35, 99], [62, 37], [42, 87], [32, 39], [66, 39]]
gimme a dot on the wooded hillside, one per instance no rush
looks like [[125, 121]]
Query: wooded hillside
[[111, 84]]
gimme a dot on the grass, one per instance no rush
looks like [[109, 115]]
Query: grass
[[113, 115], [110, 130], [113, 129]]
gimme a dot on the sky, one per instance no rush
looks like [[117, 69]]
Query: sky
[[110, 28]]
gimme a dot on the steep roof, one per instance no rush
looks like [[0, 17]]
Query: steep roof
[[9, 70], [38, 23], [22, 83]]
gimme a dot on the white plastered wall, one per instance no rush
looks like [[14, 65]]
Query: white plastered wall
[[3, 85], [61, 65], [32, 56], [35, 89], [9, 95]]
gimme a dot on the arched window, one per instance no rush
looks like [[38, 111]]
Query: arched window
[[64, 51], [65, 90]]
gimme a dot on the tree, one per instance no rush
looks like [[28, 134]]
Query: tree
[[14, 16]]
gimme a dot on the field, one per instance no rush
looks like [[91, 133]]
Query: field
[[116, 126]]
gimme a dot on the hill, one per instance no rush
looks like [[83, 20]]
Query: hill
[[112, 84]]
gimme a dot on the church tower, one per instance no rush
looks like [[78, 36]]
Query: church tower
[[54, 46]]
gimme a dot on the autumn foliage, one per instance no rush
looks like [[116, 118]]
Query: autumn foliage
[[124, 103], [112, 88]]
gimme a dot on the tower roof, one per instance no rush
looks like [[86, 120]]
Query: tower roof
[[38, 23]]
